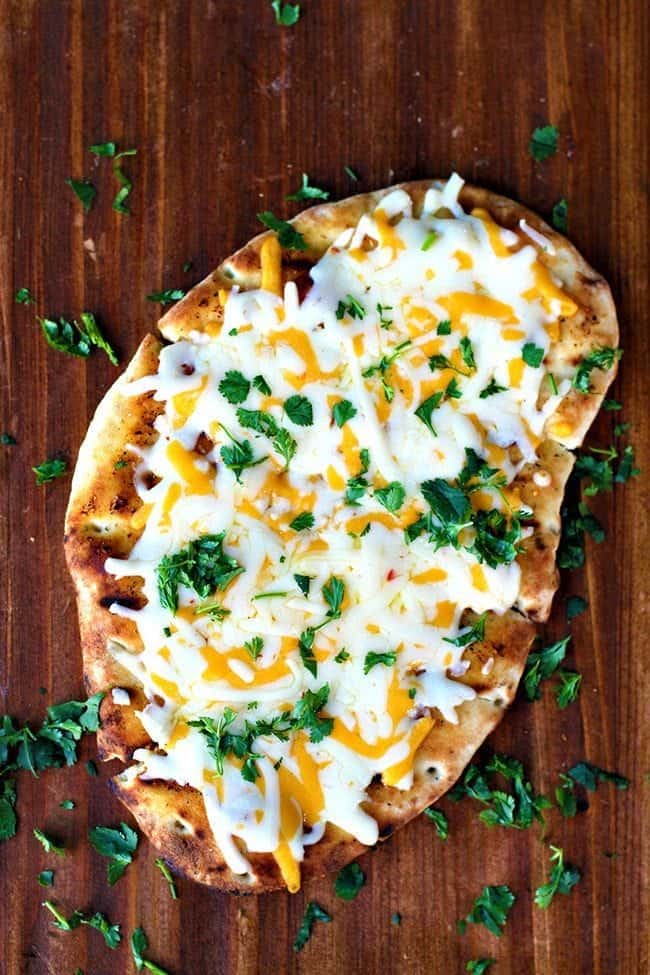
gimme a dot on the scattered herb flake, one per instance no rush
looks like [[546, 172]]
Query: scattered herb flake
[[48, 844], [343, 411], [234, 386], [24, 297], [118, 845], [84, 190], [568, 688], [299, 410], [559, 215], [562, 880], [289, 238], [303, 521], [349, 882], [589, 776], [543, 143], [372, 659], [203, 566], [46, 878], [542, 664], [392, 496], [167, 874], [7, 440], [533, 355], [286, 15], [491, 908], [308, 192], [303, 582], [439, 820], [49, 470], [166, 297], [575, 606], [314, 912]]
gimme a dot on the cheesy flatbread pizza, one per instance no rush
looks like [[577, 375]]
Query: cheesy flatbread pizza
[[313, 526]]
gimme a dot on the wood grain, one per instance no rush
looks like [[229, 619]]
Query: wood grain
[[226, 110]]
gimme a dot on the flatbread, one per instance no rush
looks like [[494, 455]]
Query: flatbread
[[103, 500]]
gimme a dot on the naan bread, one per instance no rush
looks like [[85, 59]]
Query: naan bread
[[103, 502]]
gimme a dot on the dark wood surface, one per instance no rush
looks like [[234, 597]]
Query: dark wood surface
[[226, 110]]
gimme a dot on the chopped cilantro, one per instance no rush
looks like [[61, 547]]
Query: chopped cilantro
[[532, 354], [396, 919], [254, 646], [260, 383], [125, 183], [492, 389], [203, 566], [84, 190], [349, 882], [565, 797], [392, 496], [7, 440], [543, 143], [575, 606], [444, 327], [589, 776], [342, 656], [542, 664], [439, 820], [91, 768], [103, 149], [65, 337], [568, 688], [48, 844], [93, 334], [343, 411], [118, 845], [602, 358], [288, 237], [372, 659], [467, 353], [167, 874], [46, 878], [357, 485], [351, 307], [238, 455], [612, 405], [478, 966], [515, 810], [139, 944], [49, 470], [473, 634], [303, 583], [234, 386], [384, 365], [166, 297], [562, 880], [286, 14], [285, 445], [299, 410], [314, 912], [8, 821], [66, 804], [305, 714], [426, 408], [351, 173], [491, 908], [303, 521], [384, 322], [430, 240], [559, 215], [110, 932], [307, 192], [24, 297]]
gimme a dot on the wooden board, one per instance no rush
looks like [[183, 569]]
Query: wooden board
[[227, 110]]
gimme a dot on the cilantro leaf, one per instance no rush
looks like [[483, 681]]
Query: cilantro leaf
[[203, 566], [349, 882], [303, 582], [426, 408], [479, 966], [258, 420], [543, 143], [234, 386], [565, 796], [532, 354], [238, 455], [351, 173], [357, 485], [110, 932], [372, 659], [305, 714], [492, 389], [166, 297], [7, 440], [24, 297], [254, 646], [65, 337], [118, 845], [103, 149], [289, 238], [8, 820], [439, 820], [95, 337], [314, 912], [46, 878], [342, 656], [285, 445], [260, 383], [167, 874], [49, 470], [602, 358], [467, 353], [517, 809], [589, 776], [471, 635], [286, 14], [307, 192], [304, 520], [430, 240], [306, 651], [575, 606], [343, 411], [384, 322], [392, 496], [491, 908], [125, 183], [84, 190], [299, 410], [562, 880], [333, 594], [351, 307], [542, 664], [568, 689], [559, 215], [139, 944], [48, 844], [444, 327]]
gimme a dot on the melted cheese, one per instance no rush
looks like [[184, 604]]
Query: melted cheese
[[404, 601]]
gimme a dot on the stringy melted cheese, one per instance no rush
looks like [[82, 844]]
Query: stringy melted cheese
[[399, 597]]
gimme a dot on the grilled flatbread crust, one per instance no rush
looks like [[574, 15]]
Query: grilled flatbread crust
[[103, 501]]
